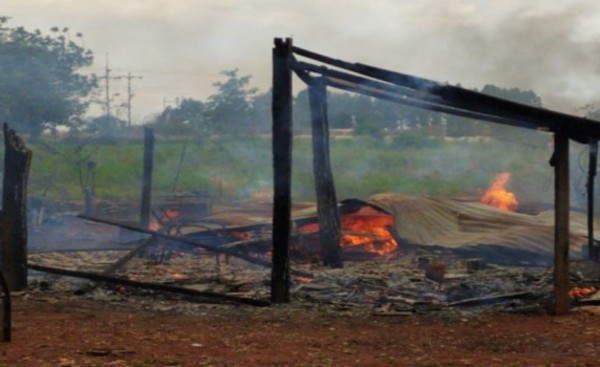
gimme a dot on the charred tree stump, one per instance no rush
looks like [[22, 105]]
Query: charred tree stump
[[560, 161], [328, 213], [593, 161], [147, 177], [17, 161], [282, 169]]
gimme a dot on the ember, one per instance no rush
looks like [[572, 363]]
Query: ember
[[497, 195], [580, 293], [301, 279], [166, 216]]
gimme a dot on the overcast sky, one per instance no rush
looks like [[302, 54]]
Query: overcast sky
[[179, 46]]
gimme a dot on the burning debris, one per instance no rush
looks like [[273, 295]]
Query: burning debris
[[403, 254]]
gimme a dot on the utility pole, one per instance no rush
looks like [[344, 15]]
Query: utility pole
[[130, 96], [107, 79]]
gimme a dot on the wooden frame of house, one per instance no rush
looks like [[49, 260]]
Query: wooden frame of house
[[412, 91]]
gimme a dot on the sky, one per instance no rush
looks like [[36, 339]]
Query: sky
[[179, 47]]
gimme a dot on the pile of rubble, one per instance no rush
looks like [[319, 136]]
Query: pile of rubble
[[392, 285]]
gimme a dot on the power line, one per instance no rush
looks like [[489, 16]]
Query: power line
[[130, 96], [107, 77]]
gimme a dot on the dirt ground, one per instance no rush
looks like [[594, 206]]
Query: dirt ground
[[72, 331], [62, 329]]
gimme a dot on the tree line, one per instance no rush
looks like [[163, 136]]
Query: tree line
[[42, 86]]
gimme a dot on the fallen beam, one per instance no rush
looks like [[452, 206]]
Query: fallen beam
[[490, 299], [120, 263], [208, 297], [178, 239], [218, 249]]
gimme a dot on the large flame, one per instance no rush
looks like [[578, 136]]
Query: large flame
[[366, 227], [497, 195], [377, 238]]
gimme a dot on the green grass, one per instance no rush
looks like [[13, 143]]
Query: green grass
[[237, 168]]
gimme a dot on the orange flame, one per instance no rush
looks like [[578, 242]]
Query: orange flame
[[378, 238], [166, 216], [497, 195], [368, 228], [580, 293]]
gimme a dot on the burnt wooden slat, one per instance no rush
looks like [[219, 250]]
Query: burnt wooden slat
[[327, 209], [205, 296], [576, 128], [412, 102]]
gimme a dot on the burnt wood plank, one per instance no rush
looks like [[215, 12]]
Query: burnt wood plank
[[327, 209]]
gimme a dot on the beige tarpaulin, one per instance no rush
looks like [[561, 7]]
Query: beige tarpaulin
[[454, 223]]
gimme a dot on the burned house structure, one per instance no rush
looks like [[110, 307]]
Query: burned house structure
[[275, 237], [416, 92]]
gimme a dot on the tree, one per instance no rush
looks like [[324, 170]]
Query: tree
[[527, 97], [504, 132], [340, 110], [105, 126], [375, 116], [228, 111], [39, 83], [261, 112], [188, 116]]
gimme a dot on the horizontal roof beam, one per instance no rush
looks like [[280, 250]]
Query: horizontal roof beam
[[577, 128]]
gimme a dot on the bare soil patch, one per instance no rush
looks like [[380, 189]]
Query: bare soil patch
[[71, 331]]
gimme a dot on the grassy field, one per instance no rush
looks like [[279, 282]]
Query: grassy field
[[237, 168]]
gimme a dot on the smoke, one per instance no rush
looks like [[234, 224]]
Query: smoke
[[180, 47], [551, 50]]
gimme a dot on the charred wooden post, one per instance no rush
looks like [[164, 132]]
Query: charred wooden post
[[17, 161], [560, 161], [147, 177], [327, 209], [593, 162], [282, 169], [6, 309]]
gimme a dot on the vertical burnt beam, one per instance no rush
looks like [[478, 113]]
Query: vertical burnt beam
[[17, 161], [147, 178], [6, 309], [593, 162], [282, 169], [327, 209], [560, 161]]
